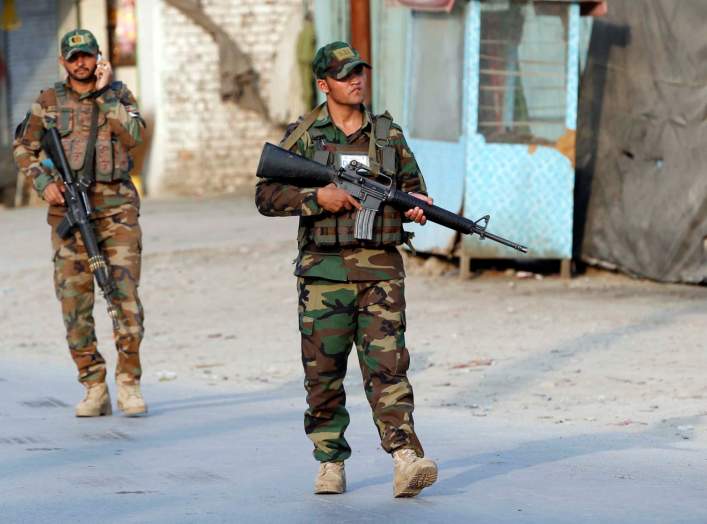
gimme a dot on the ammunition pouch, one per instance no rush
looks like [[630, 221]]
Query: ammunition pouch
[[338, 230]]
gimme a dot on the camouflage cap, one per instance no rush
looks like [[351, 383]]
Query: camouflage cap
[[78, 40], [337, 60]]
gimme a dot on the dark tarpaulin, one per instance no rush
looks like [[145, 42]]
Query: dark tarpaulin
[[642, 149]]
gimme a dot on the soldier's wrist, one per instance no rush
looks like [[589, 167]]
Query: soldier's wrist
[[310, 203], [40, 182]]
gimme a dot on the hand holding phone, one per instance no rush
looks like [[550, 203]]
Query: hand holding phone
[[104, 72]]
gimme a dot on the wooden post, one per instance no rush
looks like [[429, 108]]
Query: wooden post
[[361, 35]]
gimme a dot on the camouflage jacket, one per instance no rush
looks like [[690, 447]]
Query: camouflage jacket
[[341, 264], [117, 110]]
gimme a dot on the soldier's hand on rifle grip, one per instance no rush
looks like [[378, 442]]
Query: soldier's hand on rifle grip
[[333, 199], [53, 193], [416, 214]]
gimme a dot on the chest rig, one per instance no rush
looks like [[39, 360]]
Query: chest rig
[[339, 230], [87, 138]]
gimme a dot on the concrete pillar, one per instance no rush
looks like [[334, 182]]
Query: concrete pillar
[[93, 15], [150, 36]]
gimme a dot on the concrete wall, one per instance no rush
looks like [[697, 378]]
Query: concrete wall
[[200, 144]]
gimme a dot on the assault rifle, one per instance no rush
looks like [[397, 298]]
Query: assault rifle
[[78, 215], [281, 165]]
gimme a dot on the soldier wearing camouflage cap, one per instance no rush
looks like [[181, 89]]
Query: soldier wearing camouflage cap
[[99, 123], [350, 291]]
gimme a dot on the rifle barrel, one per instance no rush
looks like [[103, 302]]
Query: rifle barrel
[[444, 217]]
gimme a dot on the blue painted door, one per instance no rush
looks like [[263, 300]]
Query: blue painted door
[[434, 114], [521, 122]]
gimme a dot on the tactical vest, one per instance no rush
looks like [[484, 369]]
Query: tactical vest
[[74, 126], [338, 230]]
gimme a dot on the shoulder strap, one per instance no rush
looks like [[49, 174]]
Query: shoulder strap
[[383, 123], [60, 91], [302, 128], [379, 140]]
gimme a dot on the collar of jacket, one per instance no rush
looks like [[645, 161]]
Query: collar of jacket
[[324, 119], [82, 96]]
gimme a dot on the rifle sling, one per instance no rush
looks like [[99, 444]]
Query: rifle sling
[[302, 128]]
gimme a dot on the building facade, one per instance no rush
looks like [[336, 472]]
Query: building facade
[[199, 143]]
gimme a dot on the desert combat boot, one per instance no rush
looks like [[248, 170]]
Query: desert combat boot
[[130, 400], [331, 479], [96, 402], [411, 474]]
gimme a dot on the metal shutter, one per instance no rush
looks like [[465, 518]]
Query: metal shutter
[[32, 53]]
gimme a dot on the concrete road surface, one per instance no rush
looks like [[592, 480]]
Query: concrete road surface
[[205, 456], [543, 401]]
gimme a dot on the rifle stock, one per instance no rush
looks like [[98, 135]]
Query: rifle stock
[[290, 168]]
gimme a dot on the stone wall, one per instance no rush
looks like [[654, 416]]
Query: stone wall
[[211, 146]]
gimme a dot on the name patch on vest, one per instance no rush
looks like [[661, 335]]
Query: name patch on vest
[[343, 159]]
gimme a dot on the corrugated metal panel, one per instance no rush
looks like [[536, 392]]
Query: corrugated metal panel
[[529, 198], [32, 53]]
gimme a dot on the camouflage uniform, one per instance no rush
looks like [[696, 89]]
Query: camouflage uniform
[[115, 220], [349, 292]]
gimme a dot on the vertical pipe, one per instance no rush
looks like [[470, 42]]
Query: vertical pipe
[[361, 34]]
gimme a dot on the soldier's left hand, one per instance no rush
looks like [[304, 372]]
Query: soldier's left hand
[[104, 74], [416, 214]]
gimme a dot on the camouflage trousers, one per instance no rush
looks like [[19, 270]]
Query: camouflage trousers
[[333, 316], [120, 239]]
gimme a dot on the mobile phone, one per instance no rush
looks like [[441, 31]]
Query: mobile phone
[[99, 69]]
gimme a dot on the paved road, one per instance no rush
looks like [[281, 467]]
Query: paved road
[[236, 452], [218, 456]]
